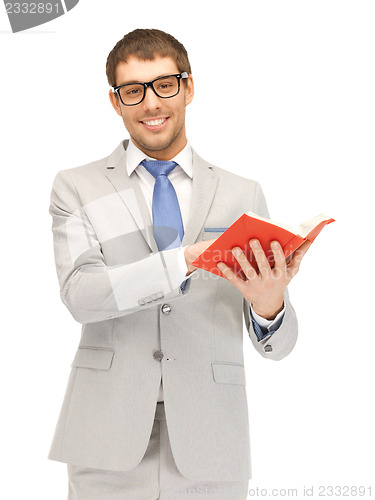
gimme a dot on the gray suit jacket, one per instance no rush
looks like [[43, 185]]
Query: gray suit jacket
[[115, 282]]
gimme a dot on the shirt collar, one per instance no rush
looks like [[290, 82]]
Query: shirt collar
[[134, 156]]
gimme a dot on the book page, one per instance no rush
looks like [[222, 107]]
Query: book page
[[307, 226], [284, 226], [303, 229]]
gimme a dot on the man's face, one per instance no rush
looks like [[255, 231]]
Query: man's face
[[156, 125]]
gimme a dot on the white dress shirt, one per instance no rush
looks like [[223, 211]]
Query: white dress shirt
[[182, 179]]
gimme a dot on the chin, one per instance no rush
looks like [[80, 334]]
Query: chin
[[157, 146]]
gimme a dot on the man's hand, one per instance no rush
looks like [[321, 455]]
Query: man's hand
[[265, 290], [193, 251]]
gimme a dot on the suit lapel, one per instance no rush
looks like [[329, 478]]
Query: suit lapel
[[130, 192], [204, 187]]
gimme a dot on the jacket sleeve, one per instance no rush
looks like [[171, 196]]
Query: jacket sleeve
[[282, 341], [91, 290]]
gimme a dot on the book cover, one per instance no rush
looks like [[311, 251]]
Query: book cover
[[250, 226]]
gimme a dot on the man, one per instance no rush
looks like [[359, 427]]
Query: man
[[155, 405]]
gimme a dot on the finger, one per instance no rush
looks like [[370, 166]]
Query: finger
[[304, 247], [278, 255], [297, 257], [261, 259], [246, 267], [230, 275]]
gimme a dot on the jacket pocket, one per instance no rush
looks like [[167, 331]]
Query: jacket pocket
[[229, 373], [210, 233], [93, 357]]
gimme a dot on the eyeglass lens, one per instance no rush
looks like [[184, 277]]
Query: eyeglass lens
[[132, 93]]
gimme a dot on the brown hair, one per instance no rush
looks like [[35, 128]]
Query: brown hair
[[146, 44]]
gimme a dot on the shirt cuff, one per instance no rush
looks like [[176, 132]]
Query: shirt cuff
[[182, 270], [264, 328], [270, 324], [176, 266], [181, 263]]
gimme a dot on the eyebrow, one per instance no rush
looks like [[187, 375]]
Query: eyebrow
[[138, 81]]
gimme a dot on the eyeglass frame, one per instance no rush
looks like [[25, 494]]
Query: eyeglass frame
[[147, 85]]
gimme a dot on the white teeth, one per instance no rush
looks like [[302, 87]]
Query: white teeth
[[153, 123]]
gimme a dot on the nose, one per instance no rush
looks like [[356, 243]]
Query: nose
[[151, 100]]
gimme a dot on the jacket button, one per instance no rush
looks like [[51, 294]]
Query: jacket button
[[158, 355], [166, 309], [268, 348]]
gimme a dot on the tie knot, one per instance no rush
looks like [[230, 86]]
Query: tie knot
[[157, 168]]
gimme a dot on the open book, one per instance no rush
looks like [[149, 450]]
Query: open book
[[250, 226]]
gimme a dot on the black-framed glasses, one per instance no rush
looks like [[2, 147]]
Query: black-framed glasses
[[165, 87]]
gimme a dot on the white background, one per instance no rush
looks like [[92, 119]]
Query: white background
[[302, 124]]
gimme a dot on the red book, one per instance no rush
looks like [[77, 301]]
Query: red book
[[250, 226]]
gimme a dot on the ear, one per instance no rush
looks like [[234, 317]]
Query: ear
[[115, 101], [189, 90]]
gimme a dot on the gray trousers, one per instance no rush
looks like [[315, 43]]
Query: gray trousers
[[156, 477]]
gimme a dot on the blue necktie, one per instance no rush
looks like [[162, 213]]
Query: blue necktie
[[166, 214]]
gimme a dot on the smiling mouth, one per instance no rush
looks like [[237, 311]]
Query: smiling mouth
[[155, 124]]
